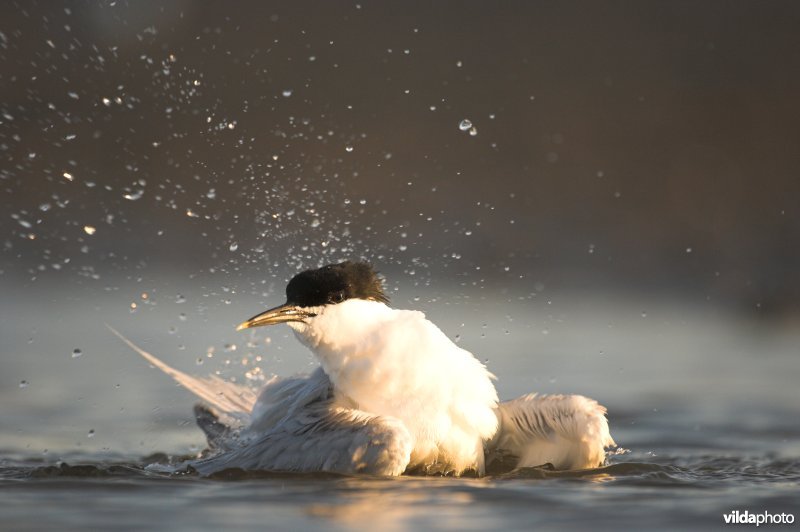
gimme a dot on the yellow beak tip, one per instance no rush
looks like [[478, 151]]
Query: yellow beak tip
[[243, 326]]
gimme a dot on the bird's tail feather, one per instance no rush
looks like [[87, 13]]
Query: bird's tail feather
[[234, 402], [567, 431]]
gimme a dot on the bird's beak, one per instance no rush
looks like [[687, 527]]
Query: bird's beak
[[284, 313]]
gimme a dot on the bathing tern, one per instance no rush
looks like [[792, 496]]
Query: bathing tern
[[392, 395]]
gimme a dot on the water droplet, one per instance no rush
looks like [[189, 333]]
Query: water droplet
[[68, 176], [182, 316], [90, 434], [76, 353], [230, 347], [180, 299], [286, 93], [133, 196], [688, 250], [199, 361], [234, 246], [348, 148], [89, 229], [23, 384], [465, 125], [644, 314], [473, 131]]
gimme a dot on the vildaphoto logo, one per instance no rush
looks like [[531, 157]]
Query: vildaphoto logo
[[738, 517]]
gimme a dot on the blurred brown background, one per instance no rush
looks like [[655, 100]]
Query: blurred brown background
[[642, 145]]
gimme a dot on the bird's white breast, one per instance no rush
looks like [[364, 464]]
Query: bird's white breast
[[397, 363]]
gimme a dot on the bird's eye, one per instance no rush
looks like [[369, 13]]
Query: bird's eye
[[337, 297]]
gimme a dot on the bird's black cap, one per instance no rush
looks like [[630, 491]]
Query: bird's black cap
[[335, 283], [328, 285]]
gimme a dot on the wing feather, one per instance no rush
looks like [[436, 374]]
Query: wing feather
[[233, 401], [321, 437], [567, 431]]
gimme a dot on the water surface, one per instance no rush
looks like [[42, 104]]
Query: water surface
[[703, 403]]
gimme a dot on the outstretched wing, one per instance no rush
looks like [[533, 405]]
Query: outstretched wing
[[233, 402], [294, 424], [321, 437], [567, 431]]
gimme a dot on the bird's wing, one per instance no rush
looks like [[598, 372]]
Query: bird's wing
[[282, 397], [234, 402], [567, 431], [321, 437]]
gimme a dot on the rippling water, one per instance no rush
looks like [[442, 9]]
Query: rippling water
[[705, 406], [665, 492]]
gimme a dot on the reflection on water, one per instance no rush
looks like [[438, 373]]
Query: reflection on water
[[701, 487]]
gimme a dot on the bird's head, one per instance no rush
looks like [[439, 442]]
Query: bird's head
[[312, 290]]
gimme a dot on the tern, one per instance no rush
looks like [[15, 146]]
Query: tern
[[392, 395]]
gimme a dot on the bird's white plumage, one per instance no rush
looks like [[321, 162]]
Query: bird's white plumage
[[401, 365], [567, 431], [392, 394]]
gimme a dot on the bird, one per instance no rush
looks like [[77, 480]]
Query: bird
[[392, 395]]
